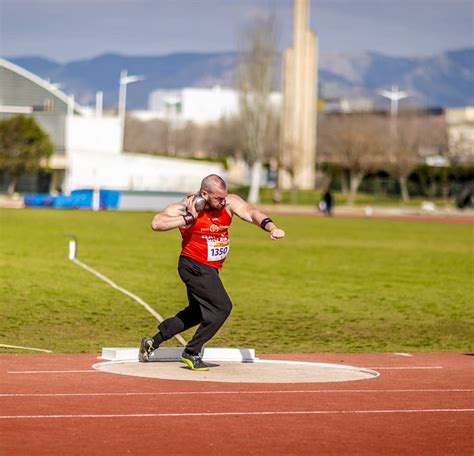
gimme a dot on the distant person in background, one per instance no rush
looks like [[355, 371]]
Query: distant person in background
[[205, 245], [329, 202], [326, 204]]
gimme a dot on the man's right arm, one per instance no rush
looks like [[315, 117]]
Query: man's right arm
[[175, 216]]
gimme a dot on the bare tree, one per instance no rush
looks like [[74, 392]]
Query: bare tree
[[403, 148], [147, 137], [188, 139], [224, 139], [416, 136], [255, 73], [354, 142], [212, 140]]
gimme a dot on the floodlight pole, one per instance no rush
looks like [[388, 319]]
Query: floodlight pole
[[124, 80], [394, 95]]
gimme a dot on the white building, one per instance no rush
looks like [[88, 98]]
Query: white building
[[347, 105], [87, 146], [198, 105], [460, 122]]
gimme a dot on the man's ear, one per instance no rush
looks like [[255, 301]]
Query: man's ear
[[204, 194]]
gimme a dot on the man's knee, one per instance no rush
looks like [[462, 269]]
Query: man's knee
[[228, 309], [218, 317]]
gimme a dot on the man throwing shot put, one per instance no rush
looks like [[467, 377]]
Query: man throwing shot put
[[203, 221]]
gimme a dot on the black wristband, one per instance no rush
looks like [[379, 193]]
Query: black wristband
[[188, 218], [265, 222]]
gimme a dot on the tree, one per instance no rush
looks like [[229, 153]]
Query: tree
[[402, 152], [255, 75], [147, 137], [415, 136], [224, 138], [354, 142], [24, 147]]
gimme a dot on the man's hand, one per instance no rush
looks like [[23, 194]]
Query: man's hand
[[190, 206], [276, 233]]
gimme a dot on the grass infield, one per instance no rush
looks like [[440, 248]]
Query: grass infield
[[332, 285]]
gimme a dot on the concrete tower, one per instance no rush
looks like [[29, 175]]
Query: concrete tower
[[298, 137]]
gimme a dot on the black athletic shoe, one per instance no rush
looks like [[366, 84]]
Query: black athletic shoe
[[146, 350], [194, 362]]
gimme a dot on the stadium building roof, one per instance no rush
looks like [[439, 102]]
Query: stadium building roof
[[53, 90]]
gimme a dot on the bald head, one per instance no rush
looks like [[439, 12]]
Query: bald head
[[212, 182], [214, 191]]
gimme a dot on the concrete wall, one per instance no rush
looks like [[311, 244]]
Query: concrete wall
[[136, 172], [98, 135], [148, 201]]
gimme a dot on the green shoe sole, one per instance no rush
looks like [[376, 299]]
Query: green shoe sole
[[190, 365]]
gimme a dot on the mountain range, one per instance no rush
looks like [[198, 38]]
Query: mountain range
[[442, 80]]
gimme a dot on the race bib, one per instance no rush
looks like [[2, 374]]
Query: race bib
[[217, 250]]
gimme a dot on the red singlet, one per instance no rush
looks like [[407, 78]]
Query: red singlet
[[207, 241]]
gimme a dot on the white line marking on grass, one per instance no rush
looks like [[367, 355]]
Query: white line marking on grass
[[25, 348], [126, 292], [198, 393], [52, 371], [292, 412]]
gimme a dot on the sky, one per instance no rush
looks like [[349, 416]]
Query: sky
[[67, 30]]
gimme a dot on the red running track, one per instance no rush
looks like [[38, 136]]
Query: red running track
[[58, 405]]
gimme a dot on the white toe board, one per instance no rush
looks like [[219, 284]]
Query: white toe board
[[174, 354]]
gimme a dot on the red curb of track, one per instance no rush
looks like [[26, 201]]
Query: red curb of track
[[420, 405]]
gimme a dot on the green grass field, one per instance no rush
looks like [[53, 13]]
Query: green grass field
[[312, 197], [333, 285]]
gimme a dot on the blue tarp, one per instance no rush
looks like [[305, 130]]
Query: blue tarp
[[109, 199], [63, 202], [82, 198], [78, 199], [38, 200]]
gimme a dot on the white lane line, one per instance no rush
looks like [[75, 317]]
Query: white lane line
[[404, 354], [94, 370], [52, 371], [198, 393], [407, 367], [292, 412]]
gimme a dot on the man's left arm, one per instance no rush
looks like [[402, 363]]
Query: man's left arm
[[251, 214]]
